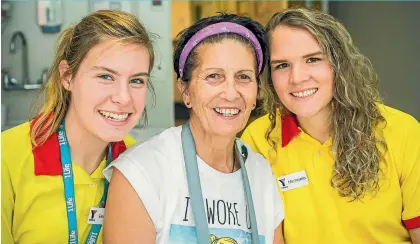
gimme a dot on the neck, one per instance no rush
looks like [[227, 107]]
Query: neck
[[317, 126], [216, 151], [86, 149]]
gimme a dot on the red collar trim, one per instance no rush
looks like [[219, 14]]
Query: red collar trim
[[47, 159], [289, 129]]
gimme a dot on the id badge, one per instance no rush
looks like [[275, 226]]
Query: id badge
[[96, 216], [293, 181]]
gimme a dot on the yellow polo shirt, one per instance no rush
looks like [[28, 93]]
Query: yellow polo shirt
[[315, 213], [33, 206]]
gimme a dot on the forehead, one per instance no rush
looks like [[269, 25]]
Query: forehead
[[227, 53], [111, 52], [292, 41]]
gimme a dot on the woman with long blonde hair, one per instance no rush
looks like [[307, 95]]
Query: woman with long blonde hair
[[53, 189], [348, 166]]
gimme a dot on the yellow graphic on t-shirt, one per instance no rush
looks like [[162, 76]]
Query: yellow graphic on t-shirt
[[221, 240]]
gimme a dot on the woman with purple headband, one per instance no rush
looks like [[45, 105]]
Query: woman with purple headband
[[198, 183]]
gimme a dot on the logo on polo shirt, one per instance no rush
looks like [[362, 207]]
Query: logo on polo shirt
[[96, 216], [292, 181], [282, 182], [92, 214]]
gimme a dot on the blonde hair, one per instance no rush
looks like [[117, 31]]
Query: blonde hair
[[72, 45], [355, 113]]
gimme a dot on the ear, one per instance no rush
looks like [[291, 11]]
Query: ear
[[183, 90], [65, 77]]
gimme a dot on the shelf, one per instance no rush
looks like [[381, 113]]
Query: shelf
[[23, 87]]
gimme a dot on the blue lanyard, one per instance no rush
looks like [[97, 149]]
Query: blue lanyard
[[68, 179], [194, 186]]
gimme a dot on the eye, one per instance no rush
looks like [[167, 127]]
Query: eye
[[281, 66], [105, 77], [137, 81], [213, 76], [312, 60], [243, 78]]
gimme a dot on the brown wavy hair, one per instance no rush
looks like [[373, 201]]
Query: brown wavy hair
[[357, 149], [72, 45]]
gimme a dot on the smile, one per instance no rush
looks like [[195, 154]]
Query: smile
[[114, 116], [306, 93], [227, 112]]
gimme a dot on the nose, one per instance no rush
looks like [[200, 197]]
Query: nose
[[299, 74], [231, 92], [121, 95]]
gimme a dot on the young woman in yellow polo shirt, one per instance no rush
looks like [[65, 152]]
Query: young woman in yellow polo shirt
[[348, 167], [53, 190]]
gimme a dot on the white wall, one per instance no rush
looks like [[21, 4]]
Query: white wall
[[41, 51], [389, 34]]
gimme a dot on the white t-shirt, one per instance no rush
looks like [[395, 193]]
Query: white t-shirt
[[155, 168]]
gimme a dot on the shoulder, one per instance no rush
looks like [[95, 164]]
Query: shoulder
[[16, 142], [258, 126], [17, 133], [255, 134], [154, 152], [16, 149], [256, 162], [129, 141], [398, 123]]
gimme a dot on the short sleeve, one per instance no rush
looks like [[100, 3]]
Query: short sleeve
[[410, 178], [142, 178]]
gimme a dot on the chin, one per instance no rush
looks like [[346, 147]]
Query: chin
[[114, 137], [306, 113], [226, 131]]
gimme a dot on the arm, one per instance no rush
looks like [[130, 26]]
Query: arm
[[415, 235], [278, 235], [7, 204], [127, 220]]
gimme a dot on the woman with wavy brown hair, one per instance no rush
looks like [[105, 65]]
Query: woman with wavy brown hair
[[348, 166]]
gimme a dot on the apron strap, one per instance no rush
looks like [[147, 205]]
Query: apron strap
[[195, 191]]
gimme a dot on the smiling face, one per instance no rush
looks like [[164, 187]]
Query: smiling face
[[108, 92], [301, 73], [223, 88]]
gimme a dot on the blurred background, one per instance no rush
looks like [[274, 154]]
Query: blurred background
[[388, 32]]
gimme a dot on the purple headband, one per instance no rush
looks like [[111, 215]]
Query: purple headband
[[214, 29]]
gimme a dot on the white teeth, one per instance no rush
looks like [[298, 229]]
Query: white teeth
[[227, 112], [112, 116], [306, 93]]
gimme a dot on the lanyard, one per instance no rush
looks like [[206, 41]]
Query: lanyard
[[196, 194], [68, 180]]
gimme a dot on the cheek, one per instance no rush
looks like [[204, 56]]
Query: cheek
[[203, 94], [249, 93], [139, 97], [90, 93], [280, 82], [325, 74]]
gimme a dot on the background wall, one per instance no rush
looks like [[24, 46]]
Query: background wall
[[389, 34], [41, 51]]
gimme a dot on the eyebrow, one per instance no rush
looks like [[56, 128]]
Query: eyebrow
[[304, 56], [245, 70], [312, 54], [116, 73], [220, 69]]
